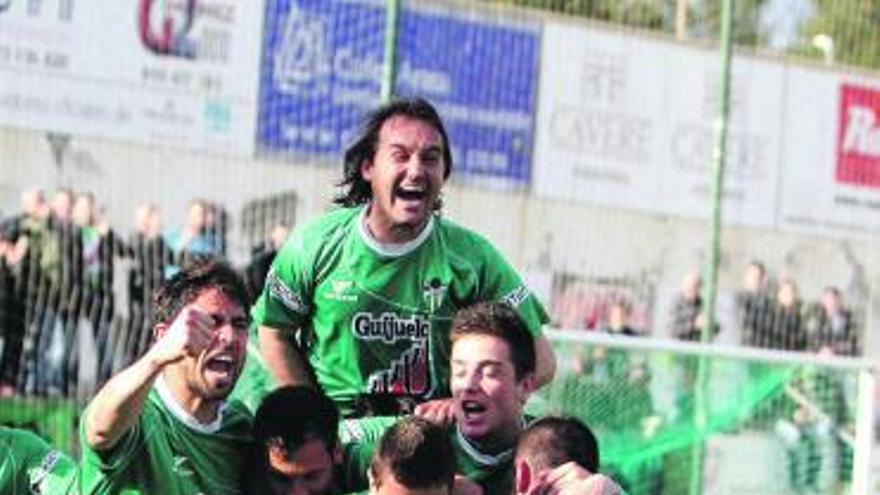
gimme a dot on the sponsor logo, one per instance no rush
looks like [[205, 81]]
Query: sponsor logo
[[515, 297], [166, 27], [281, 292], [306, 63], [406, 375], [39, 475], [858, 146], [339, 291], [390, 328], [302, 63]]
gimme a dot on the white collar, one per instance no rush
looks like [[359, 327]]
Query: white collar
[[391, 249], [180, 413], [479, 457]]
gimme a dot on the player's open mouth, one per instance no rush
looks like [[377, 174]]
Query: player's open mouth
[[411, 193], [472, 409], [222, 364]]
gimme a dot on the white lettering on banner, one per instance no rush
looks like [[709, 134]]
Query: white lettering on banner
[[862, 136], [302, 60]]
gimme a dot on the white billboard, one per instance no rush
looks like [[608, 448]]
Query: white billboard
[[172, 72], [628, 122], [831, 160], [598, 138]]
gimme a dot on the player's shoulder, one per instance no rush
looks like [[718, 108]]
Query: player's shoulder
[[460, 237], [19, 440], [237, 418], [314, 235]]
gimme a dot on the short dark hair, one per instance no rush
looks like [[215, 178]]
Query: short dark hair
[[186, 285], [759, 265], [357, 190], [417, 452], [552, 441], [502, 321], [295, 414]]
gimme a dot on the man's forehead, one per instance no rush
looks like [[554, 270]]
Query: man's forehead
[[402, 129], [216, 300], [308, 457], [482, 349]]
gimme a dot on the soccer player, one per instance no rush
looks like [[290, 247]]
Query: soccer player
[[163, 425], [29, 465], [414, 457], [493, 374], [363, 296], [296, 447], [560, 456]]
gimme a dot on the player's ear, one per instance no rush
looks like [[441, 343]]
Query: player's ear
[[527, 385], [523, 476], [373, 480], [159, 331], [366, 169]]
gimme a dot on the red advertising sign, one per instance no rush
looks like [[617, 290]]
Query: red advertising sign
[[858, 140]]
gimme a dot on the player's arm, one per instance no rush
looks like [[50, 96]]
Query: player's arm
[[118, 405], [545, 360], [287, 361]]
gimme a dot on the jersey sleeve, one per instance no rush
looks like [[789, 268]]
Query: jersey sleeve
[[501, 283], [284, 303], [44, 469], [97, 463]]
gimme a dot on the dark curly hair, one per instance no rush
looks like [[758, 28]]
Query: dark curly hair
[[357, 191], [185, 286]]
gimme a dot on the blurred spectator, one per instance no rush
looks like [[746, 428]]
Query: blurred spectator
[[754, 306], [618, 319], [261, 260], [101, 247], [152, 256], [831, 327], [687, 320], [11, 313], [788, 331], [195, 238]]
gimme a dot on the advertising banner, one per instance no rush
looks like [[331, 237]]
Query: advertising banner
[[175, 72]]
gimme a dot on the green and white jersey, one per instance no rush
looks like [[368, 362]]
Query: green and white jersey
[[494, 473], [169, 452], [376, 319], [360, 437], [30, 466]]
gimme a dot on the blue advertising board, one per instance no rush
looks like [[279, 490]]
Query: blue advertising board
[[322, 66]]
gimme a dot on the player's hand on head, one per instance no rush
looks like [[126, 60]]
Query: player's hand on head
[[572, 479], [465, 486], [439, 411], [191, 332]]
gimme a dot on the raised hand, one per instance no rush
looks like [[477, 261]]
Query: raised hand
[[189, 334]]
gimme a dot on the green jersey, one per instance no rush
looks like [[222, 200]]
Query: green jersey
[[360, 437], [375, 318], [29, 465], [170, 452]]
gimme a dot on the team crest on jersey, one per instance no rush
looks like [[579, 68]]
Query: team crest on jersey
[[433, 292], [406, 375]]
